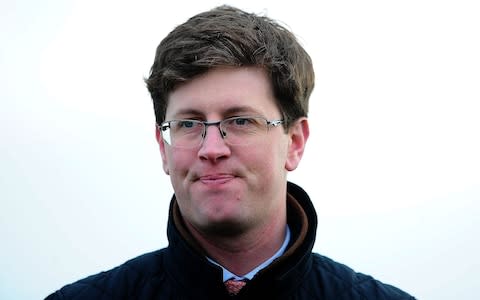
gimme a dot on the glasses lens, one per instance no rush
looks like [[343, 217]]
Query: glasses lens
[[243, 130], [184, 133]]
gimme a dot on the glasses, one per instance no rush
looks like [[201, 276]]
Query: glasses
[[235, 131]]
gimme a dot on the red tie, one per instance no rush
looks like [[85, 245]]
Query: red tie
[[234, 286]]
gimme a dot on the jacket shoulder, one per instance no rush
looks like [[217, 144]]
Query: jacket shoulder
[[121, 282], [338, 281]]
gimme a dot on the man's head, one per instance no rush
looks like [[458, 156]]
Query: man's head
[[221, 83], [226, 36]]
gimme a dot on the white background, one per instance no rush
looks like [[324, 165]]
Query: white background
[[392, 164]]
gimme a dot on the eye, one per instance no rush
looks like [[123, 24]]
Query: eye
[[186, 124], [243, 121]]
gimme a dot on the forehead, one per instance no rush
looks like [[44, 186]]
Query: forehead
[[222, 92]]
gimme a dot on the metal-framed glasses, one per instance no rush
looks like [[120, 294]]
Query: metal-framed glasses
[[243, 130]]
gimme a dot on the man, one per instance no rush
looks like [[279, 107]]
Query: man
[[230, 92]]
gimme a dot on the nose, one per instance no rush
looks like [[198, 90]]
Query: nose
[[213, 145]]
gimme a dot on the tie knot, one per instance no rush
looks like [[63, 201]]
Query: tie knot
[[234, 286]]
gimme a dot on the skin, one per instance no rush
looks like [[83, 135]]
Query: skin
[[233, 198]]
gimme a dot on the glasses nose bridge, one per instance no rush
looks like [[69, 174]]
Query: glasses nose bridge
[[218, 124]]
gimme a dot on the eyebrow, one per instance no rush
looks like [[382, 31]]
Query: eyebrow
[[228, 111]]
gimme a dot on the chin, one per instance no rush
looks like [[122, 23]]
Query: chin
[[225, 228]]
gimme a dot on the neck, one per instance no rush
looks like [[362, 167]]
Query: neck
[[242, 252]]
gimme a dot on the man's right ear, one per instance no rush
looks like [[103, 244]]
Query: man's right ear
[[161, 145]]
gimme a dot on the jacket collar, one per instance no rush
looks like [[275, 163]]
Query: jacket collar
[[186, 261]]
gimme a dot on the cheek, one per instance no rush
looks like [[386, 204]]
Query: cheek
[[178, 161], [275, 153], [266, 159]]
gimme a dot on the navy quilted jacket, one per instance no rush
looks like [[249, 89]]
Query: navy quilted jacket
[[181, 270]]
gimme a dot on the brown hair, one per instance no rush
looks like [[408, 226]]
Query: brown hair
[[227, 36]]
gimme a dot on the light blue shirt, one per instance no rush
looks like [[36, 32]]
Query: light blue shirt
[[229, 275]]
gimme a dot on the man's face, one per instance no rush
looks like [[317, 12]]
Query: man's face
[[222, 188]]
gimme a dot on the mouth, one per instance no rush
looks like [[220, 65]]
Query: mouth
[[216, 178]]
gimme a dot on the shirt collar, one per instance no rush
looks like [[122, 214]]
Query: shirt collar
[[229, 275]]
